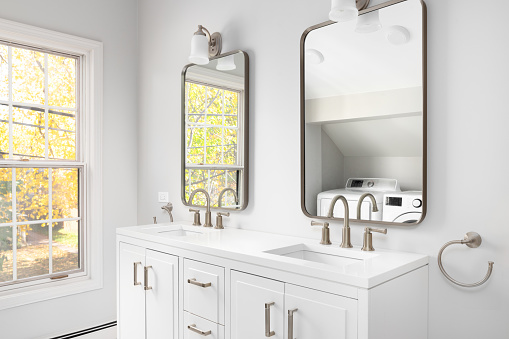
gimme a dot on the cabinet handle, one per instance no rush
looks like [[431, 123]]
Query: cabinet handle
[[145, 278], [197, 330], [290, 322], [136, 283], [194, 282], [268, 332]]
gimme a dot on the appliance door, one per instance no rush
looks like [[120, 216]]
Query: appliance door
[[408, 218]]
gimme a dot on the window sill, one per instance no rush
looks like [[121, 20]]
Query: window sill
[[51, 290]]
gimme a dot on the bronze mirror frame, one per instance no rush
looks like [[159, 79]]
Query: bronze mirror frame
[[244, 186], [424, 117]]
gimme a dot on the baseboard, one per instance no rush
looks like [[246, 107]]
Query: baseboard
[[105, 331]]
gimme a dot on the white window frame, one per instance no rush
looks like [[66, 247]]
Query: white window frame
[[91, 95]]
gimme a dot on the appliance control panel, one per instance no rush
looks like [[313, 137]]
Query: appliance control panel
[[372, 184]]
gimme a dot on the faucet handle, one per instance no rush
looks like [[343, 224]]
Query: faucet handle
[[219, 219], [325, 231], [196, 221], [367, 244]]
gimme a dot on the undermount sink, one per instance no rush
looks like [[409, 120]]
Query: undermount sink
[[328, 255], [175, 230], [177, 233]]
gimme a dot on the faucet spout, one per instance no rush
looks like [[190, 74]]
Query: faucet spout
[[220, 198], [208, 218], [345, 242], [373, 202]]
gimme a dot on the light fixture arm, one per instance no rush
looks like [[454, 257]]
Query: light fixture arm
[[215, 40]]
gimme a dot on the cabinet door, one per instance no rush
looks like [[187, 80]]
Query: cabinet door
[[161, 295], [131, 296], [319, 314], [249, 296]]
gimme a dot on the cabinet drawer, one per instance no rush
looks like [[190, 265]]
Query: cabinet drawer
[[193, 324], [204, 290]]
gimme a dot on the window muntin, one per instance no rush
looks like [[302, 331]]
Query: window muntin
[[40, 205]]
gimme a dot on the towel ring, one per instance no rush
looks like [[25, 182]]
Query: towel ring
[[472, 240]]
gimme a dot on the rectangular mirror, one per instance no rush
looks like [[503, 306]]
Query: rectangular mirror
[[363, 115], [215, 131]]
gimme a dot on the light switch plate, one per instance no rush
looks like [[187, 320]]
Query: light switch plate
[[163, 197]]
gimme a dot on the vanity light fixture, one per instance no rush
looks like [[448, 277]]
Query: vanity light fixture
[[368, 23], [346, 10], [226, 63], [314, 56], [397, 35], [204, 46]]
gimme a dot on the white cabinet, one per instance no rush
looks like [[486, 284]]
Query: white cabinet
[[147, 292], [263, 308]]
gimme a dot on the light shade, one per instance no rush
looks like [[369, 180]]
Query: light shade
[[226, 63], [314, 57], [368, 23], [199, 50], [343, 10], [397, 35]]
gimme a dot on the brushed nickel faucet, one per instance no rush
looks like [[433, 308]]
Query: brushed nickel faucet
[[220, 198], [325, 232], [373, 202], [168, 208], [219, 219], [345, 242], [208, 218], [367, 244]]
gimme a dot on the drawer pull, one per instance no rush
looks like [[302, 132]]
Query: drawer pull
[[145, 279], [197, 283], [196, 330], [290, 322], [268, 332], [136, 283]]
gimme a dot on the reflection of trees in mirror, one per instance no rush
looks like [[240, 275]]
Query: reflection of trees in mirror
[[38, 118], [213, 181]]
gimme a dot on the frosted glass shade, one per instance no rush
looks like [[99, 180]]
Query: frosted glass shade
[[226, 63], [368, 23], [397, 35], [343, 10], [314, 57], [199, 50]]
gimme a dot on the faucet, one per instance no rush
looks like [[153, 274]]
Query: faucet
[[373, 201], [168, 208], [223, 192], [208, 217], [345, 242]]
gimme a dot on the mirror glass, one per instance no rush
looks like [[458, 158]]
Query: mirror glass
[[363, 121], [215, 131]]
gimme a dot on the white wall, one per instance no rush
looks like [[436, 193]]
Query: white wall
[[467, 122], [114, 23]]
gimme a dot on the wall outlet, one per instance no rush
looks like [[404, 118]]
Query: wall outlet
[[163, 197]]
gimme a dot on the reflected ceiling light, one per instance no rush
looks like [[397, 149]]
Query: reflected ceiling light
[[226, 63], [314, 57], [397, 35], [204, 46], [346, 10], [368, 23]]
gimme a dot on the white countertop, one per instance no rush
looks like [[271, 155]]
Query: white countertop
[[362, 269]]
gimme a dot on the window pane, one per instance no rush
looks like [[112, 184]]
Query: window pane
[[4, 72], [62, 135], [5, 253], [196, 102], [65, 193], [231, 101], [230, 147], [65, 251], [27, 76], [4, 131], [62, 81], [28, 133], [32, 194], [32, 255], [195, 150], [213, 181], [5, 195]]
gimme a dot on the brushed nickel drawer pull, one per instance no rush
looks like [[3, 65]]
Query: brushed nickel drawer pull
[[136, 283], [268, 332], [290, 322], [193, 328], [145, 278], [197, 283]]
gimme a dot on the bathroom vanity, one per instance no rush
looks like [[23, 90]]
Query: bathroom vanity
[[182, 281]]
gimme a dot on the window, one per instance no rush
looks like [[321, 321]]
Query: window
[[50, 144], [212, 135], [40, 217]]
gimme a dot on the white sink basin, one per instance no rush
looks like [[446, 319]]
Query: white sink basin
[[329, 255], [176, 230], [177, 233]]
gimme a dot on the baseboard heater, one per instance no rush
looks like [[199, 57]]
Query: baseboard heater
[[86, 331]]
